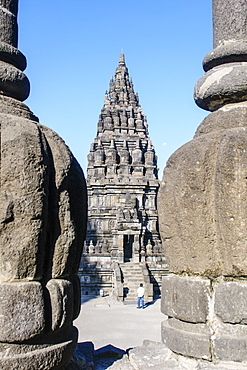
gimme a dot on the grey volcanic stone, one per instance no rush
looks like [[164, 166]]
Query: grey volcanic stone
[[28, 357], [151, 355], [227, 117], [24, 207], [202, 204], [14, 82], [187, 339], [24, 318], [141, 358], [8, 25], [61, 296], [225, 81], [231, 302], [175, 302], [229, 21], [43, 214], [218, 86], [71, 196], [226, 53], [230, 343], [123, 364], [201, 219]]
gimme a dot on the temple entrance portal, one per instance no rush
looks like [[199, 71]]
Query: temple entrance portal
[[128, 247]]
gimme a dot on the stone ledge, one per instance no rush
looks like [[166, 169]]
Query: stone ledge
[[187, 339]]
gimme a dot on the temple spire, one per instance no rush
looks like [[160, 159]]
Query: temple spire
[[122, 186], [121, 89]]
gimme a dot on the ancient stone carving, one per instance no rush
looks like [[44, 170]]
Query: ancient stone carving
[[43, 217], [122, 172], [202, 206]]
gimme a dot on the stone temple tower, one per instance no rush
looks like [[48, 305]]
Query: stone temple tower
[[122, 187]]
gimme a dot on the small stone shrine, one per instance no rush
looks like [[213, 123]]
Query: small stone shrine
[[123, 246], [202, 207], [43, 212]]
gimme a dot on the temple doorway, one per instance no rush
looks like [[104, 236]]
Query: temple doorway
[[128, 247]]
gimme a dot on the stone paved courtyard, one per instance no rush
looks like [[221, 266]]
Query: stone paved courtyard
[[115, 325], [103, 321]]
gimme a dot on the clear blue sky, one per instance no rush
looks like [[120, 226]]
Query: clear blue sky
[[73, 47]]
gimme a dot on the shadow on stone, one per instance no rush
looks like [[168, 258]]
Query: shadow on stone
[[106, 356], [99, 359], [85, 352]]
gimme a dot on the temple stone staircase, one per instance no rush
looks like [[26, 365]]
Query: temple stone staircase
[[133, 274]]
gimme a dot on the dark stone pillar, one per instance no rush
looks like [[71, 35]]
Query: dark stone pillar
[[203, 207], [229, 21], [42, 224], [8, 22]]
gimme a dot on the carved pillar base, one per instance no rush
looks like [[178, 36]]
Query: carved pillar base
[[38, 356], [207, 317]]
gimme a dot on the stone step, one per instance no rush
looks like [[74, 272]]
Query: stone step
[[132, 288], [129, 272], [133, 274], [132, 277], [133, 282]]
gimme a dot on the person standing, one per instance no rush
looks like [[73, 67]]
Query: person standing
[[140, 295]]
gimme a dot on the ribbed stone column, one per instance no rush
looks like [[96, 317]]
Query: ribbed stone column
[[203, 207], [42, 224]]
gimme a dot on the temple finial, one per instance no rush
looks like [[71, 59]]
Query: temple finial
[[122, 59]]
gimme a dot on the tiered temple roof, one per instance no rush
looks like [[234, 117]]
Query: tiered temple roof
[[122, 146]]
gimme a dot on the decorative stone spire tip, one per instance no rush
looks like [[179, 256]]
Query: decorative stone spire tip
[[122, 59]]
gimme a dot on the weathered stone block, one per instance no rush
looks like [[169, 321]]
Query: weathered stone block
[[62, 303], [21, 311], [227, 117], [185, 298], [71, 191], [34, 357], [231, 302], [201, 218], [151, 355], [191, 340], [230, 343], [23, 205]]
